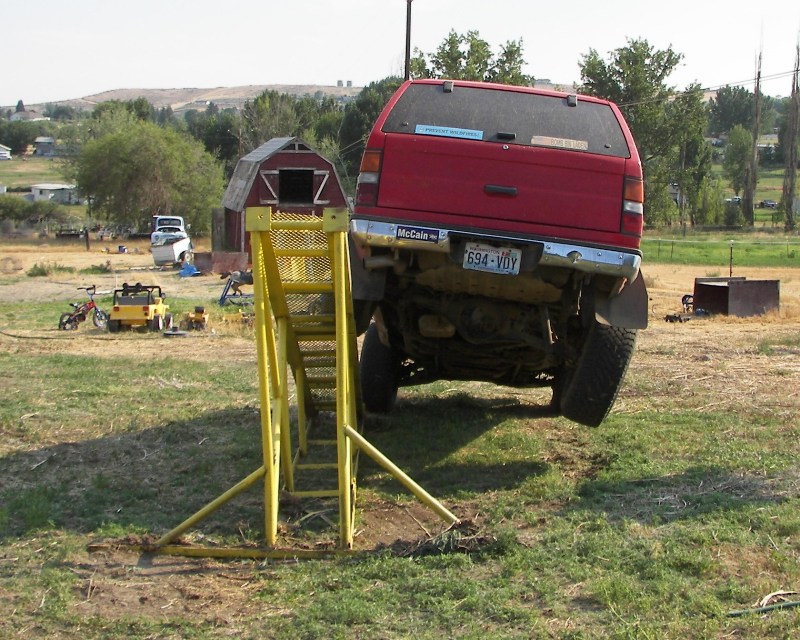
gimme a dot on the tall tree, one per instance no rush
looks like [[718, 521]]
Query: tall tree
[[469, 57], [790, 153], [751, 171], [691, 160], [737, 157]]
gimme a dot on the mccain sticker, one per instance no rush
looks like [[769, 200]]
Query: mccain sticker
[[416, 233]]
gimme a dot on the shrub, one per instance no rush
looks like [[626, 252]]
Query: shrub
[[46, 268]]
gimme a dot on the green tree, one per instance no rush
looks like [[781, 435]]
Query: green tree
[[139, 108], [666, 126], [138, 170], [508, 65], [165, 116], [359, 116], [635, 78], [737, 156], [691, 156], [731, 106], [469, 57], [269, 115], [220, 134], [142, 109], [61, 112], [20, 210], [20, 134], [709, 209]]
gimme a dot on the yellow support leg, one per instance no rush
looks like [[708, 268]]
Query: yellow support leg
[[266, 351]]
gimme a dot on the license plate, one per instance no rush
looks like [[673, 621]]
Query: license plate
[[485, 257]]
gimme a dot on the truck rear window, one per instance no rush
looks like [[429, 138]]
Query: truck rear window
[[508, 117]]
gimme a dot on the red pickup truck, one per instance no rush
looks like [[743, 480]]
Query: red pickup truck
[[496, 233]]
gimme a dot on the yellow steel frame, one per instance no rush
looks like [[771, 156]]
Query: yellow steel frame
[[286, 339]]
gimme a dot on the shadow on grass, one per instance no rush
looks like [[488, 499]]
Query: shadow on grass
[[697, 492], [152, 479], [429, 437]]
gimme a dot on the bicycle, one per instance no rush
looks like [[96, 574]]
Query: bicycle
[[70, 320]]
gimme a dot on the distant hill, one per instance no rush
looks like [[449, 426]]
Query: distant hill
[[224, 97], [195, 98]]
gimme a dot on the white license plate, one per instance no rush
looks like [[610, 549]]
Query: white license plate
[[485, 257]]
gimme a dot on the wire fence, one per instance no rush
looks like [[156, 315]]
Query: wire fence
[[755, 252]]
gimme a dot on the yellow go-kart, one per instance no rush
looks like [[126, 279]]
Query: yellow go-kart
[[139, 306]]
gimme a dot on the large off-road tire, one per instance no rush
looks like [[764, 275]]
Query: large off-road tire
[[114, 326], [100, 318], [586, 392], [379, 372]]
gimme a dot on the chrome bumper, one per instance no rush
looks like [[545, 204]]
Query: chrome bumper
[[611, 262]]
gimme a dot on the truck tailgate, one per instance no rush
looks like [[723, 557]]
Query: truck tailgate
[[478, 182]]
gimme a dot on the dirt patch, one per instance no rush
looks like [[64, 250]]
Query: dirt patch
[[66, 263]]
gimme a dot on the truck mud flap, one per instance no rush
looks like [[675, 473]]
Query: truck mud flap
[[628, 309]]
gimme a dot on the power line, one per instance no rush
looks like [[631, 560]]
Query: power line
[[774, 76]]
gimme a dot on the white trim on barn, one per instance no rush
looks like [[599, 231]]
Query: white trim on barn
[[5, 152]]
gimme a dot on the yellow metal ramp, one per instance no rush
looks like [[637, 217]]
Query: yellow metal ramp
[[304, 325]]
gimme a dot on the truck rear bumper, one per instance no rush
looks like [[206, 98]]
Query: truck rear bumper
[[597, 260]]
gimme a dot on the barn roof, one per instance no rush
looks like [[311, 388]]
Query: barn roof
[[247, 168]]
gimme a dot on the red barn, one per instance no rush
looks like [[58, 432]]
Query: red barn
[[285, 174]]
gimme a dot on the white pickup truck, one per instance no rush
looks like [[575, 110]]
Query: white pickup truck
[[169, 241]]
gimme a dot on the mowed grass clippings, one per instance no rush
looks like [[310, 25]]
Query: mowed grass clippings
[[681, 507]]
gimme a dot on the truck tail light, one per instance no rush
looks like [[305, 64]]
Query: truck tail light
[[368, 178], [633, 206]]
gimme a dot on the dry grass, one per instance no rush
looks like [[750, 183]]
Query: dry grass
[[706, 367]]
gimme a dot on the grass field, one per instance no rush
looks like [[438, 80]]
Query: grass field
[[681, 509], [31, 170], [743, 250]]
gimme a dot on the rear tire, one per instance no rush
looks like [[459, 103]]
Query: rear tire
[[586, 392], [114, 326], [380, 373], [156, 324], [362, 312], [67, 323]]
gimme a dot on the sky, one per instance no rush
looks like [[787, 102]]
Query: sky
[[63, 49]]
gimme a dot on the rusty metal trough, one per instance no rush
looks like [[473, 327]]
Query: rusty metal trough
[[736, 296]]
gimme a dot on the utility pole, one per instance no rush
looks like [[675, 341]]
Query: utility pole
[[408, 40]]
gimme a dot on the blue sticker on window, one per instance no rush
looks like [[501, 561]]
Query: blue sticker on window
[[448, 132], [416, 233]]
